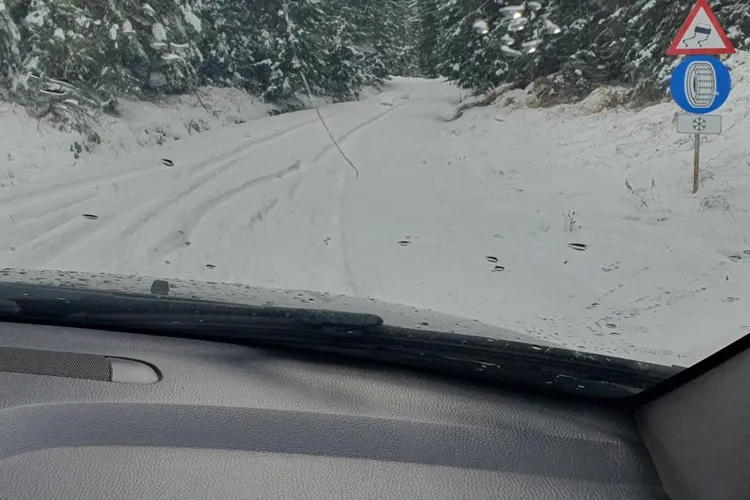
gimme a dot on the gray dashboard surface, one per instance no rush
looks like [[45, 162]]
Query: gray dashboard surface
[[231, 422]]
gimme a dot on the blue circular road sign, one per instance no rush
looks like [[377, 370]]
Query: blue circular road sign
[[700, 84]]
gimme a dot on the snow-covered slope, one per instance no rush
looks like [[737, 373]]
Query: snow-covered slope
[[31, 148], [575, 224]]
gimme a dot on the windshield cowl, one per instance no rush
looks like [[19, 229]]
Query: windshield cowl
[[326, 323], [393, 314]]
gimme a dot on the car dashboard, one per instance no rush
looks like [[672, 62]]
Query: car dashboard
[[88, 414]]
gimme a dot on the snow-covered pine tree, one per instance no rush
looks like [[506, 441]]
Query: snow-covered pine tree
[[427, 34], [10, 50], [405, 31], [469, 57], [389, 23], [98, 51], [169, 32], [349, 60], [231, 43], [291, 59], [599, 42], [560, 41], [650, 28], [736, 15], [74, 45]]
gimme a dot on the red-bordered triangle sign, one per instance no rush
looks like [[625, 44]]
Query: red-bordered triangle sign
[[700, 34]]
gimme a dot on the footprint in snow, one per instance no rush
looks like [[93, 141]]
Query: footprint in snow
[[738, 256], [578, 246], [494, 260]]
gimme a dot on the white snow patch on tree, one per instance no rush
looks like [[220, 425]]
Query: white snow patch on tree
[[192, 20], [159, 32], [127, 27], [37, 17]]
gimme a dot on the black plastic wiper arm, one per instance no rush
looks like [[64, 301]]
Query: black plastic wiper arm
[[102, 309], [330, 332]]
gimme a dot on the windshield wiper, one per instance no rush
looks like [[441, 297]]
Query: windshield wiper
[[95, 308], [361, 335]]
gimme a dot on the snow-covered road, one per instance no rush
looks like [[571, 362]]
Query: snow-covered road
[[519, 218]]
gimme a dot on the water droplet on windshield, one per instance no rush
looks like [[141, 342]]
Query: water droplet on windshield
[[513, 11], [531, 45], [551, 28], [535, 6], [518, 24]]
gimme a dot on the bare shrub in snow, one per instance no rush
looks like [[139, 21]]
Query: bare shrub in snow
[[644, 195], [715, 201], [63, 106], [570, 222]]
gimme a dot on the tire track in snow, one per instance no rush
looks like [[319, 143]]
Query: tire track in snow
[[67, 188], [359, 127], [65, 215], [49, 245], [186, 225], [340, 177]]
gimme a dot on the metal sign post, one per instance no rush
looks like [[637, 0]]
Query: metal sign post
[[700, 84], [696, 162], [698, 125]]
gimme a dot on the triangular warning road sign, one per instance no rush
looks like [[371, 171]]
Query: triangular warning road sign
[[701, 34]]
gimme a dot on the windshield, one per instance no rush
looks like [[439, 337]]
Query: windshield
[[574, 171]]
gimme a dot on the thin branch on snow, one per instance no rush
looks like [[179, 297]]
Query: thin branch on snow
[[309, 96], [317, 110]]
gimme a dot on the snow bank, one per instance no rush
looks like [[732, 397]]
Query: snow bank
[[33, 147], [676, 265]]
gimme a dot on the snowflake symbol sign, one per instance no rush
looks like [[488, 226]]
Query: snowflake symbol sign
[[699, 124]]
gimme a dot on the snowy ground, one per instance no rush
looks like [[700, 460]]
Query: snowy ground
[[472, 217]]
